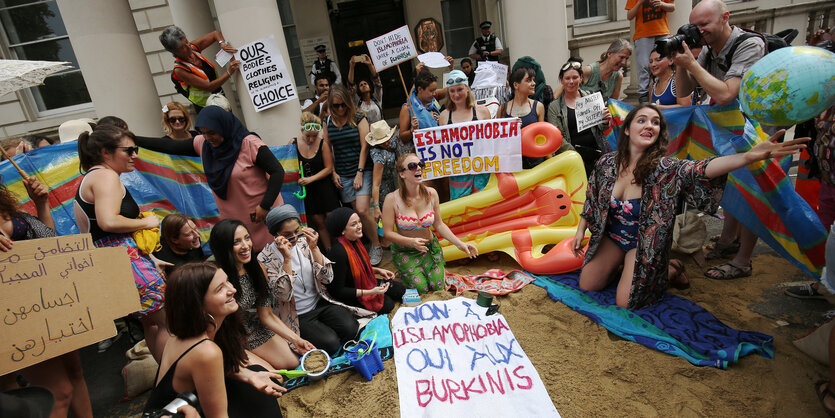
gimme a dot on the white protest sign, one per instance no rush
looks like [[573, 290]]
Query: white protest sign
[[488, 146], [392, 48], [589, 111], [265, 74], [60, 294], [489, 74], [453, 360], [222, 57], [434, 60]]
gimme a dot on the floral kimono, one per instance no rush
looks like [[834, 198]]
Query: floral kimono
[[281, 285], [673, 180]]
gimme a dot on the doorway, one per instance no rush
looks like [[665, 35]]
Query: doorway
[[355, 22]]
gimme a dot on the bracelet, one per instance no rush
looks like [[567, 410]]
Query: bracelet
[[361, 292], [221, 42]]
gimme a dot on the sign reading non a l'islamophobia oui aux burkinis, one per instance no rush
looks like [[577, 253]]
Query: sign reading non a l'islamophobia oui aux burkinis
[[453, 360], [392, 48], [60, 294], [488, 146], [265, 74]]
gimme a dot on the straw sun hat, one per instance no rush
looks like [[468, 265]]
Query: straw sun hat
[[380, 132]]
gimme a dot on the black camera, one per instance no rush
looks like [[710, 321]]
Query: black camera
[[688, 33]]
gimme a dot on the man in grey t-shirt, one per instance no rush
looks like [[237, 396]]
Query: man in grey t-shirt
[[719, 77]]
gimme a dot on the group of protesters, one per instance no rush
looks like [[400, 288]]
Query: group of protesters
[[277, 288]]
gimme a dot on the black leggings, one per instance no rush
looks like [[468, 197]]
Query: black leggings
[[392, 296], [328, 326]]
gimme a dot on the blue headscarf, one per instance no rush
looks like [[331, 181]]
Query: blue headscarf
[[425, 114], [219, 161]]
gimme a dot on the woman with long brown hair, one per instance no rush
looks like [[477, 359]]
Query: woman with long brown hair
[[631, 203]]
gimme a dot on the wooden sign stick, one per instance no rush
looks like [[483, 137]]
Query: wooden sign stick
[[19, 170]]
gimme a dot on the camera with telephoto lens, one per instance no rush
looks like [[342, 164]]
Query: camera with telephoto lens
[[688, 33], [170, 410]]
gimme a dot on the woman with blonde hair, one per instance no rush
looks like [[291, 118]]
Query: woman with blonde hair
[[316, 163], [176, 122], [407, 216], [346, 131]]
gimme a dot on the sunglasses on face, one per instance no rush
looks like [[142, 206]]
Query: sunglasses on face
[[414, 166], [130, 150], [571, 64], [312, 126], [338, 105], [180, 119], [294, 238]]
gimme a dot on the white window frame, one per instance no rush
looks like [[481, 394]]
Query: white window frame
[[594, 19], [29, 99], [300, 57]]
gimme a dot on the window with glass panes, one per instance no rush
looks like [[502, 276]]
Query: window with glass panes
[[458, 27], [587, 11], [292, 41], [35, 31]]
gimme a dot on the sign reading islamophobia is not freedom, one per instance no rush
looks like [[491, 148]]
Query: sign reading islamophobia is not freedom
[[265, 74]]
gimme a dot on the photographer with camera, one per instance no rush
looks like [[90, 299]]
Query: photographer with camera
[[719, 75]]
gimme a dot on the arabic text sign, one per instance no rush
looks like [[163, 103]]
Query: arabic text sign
[[453, 360], [392, 48], [589, 111], [60, 294], [265, 75], [488, 146]]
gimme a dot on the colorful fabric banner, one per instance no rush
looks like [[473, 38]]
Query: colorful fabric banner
[[161, 184], [782, 218]]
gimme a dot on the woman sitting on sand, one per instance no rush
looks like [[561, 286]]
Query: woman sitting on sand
[[632, 197], [206, 352]]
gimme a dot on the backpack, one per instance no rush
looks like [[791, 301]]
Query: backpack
[[772, 42]]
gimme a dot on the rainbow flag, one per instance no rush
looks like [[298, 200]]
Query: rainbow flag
[[161, 184], [782, 218]]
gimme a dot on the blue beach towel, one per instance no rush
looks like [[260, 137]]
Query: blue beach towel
[[674, 325], [341, 363]]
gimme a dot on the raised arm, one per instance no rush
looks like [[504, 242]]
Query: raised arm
[[764, 150], [167, 146]]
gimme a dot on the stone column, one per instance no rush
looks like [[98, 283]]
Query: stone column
[[549, 47], [105, 40], [243, 21], [680, 16], [195, 19]]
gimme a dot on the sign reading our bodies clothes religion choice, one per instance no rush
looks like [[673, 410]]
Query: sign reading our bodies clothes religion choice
[[58, 295], [265, 74], [392, 48], [453, 360], [488, 146]]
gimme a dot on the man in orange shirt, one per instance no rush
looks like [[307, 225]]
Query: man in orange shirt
[[650, 24]]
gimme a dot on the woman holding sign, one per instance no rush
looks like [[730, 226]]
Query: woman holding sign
[[244, 175], [589, 143], [408, 214], [462, 108], [62, 375], [523, 107], [631, 205]]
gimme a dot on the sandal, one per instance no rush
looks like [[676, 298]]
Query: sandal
[[822, 393], [734, 272], [679, 279], [720, 250]]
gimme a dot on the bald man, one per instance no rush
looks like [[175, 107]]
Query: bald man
[[719, 75]]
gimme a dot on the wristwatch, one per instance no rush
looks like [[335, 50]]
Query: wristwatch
[[361, 170]]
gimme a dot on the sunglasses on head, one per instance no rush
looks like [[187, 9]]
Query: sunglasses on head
[[571, 64], [312, 127], [180, 119], [338, 105], [414, 166], [130, 150], [455, 80]]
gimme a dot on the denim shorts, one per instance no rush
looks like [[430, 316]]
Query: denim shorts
[[348, 194]]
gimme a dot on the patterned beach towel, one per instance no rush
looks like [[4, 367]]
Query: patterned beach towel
[[493, 281], [674, 325], [341, 363]]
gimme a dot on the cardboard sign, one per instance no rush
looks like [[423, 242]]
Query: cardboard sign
[[488, 146], [453, 360], [58, 295], [392, 48], [589, 111], [265, 74]]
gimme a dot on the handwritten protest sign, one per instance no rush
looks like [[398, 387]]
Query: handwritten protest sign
[[453, 360], [392, 48], [589, 111], [265, 74], [58, 295], [489, 146]]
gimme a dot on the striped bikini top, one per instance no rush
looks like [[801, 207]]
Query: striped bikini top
[[410, 223]]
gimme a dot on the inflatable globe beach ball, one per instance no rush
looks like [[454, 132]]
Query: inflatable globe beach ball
[[789, 86]]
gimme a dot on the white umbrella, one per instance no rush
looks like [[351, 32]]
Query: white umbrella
[[18, 74]]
